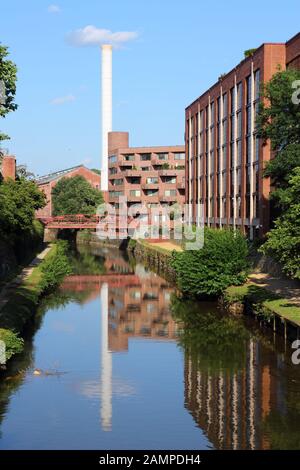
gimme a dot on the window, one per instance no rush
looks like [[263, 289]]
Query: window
[[225, 105], [162, 156], [145, 157], [249, 89], [129, 158], [232, 100], [239, 125], [239, 152], [179, 156], [135, 192], [170, 192], [117, 182], [256, 84], [153, 180], [257, 148], [145, 168], [212, 113], [113, 171], [239, 95], [112, 159]]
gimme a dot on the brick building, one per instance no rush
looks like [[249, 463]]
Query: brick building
[[46, 183], [154, 176], [8, 167], [224, 157]]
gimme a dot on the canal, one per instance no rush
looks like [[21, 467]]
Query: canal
[[116, 361]]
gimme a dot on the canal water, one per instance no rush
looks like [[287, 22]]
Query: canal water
[[122, 363]]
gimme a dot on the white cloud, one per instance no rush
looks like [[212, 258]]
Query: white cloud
[[63, 99], [92, 36], [54, 9]]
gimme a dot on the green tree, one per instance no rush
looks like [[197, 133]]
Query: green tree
[[209, 271], [75, 196], [18, 202], [283, 241], [279, 115], [8, 78]]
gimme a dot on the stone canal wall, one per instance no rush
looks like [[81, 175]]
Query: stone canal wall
[[154, 258]]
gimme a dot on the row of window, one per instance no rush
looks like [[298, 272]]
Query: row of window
[[144, 157], [150, 180], [153, 192], [235, 207]]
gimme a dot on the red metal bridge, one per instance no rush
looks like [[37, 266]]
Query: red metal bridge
[[83, 221], [78, 221]]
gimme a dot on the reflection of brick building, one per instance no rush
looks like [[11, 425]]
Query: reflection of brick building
[[46, 183], [153, 176], [224, 157], [140, 310], [230, 406]]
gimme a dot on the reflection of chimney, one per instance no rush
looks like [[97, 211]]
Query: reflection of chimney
[[106, 110], [106, 365], [9, 167]]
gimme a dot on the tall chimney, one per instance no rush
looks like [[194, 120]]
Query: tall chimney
[[106, 110], [9, 167]]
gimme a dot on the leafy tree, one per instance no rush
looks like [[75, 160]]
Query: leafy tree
[[283, 241], [8, 78], [209, 271], [18, 202], [75, 196], [279, 115], [55, 267]]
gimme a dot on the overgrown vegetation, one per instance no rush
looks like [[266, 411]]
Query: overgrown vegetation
[[262, 302], [75, 196], [8, 79], [219, 340], [209, 271], [283, 241], [278, 120], [21, 306], [13, 344]]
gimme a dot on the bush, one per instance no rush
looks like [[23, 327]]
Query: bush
[[13, 344], [55, 267], [220, 263]]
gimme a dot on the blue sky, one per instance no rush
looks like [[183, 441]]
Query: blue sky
[[181, 49]]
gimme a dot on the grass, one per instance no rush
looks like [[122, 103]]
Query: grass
[[156, 247], [263, 301], [19, 309]]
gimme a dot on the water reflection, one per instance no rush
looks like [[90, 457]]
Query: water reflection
[[240, 387]]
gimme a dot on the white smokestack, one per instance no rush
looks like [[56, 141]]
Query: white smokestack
[[106, 110]]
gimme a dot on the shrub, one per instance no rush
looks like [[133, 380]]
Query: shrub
[[209, 271], [13, 344], [55, 267]]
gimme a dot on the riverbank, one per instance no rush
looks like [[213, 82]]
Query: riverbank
[[21, 296], [268, 302]]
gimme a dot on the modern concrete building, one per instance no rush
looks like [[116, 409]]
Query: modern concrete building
[[153, 176], [46, 183], [224, 157]]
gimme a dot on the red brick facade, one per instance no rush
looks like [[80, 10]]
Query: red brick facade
[[48, 182], [8, 169], [153, 176], [224, 157]]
